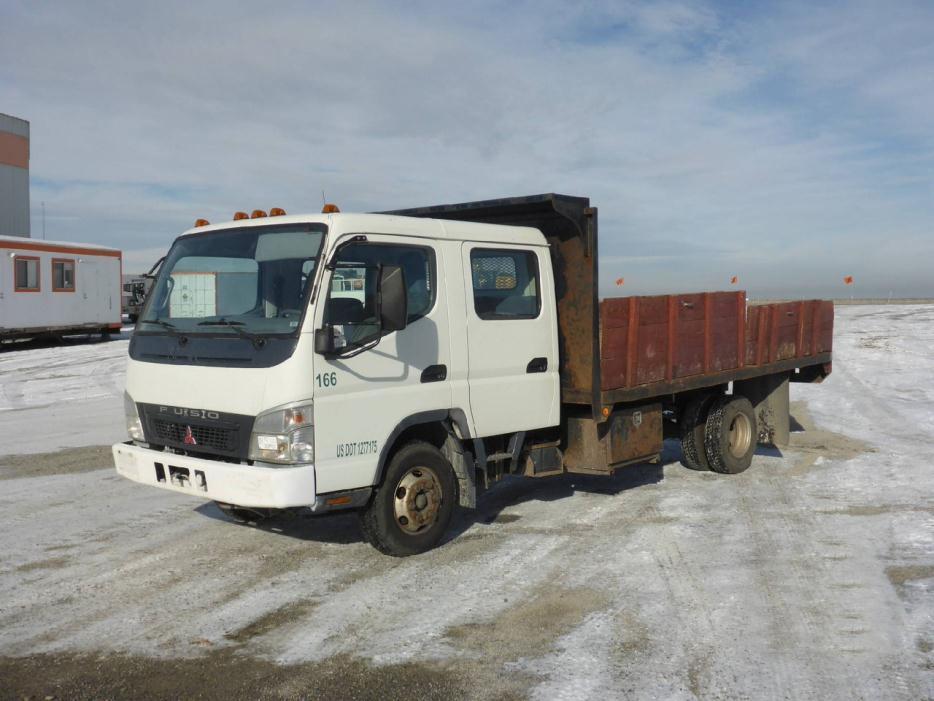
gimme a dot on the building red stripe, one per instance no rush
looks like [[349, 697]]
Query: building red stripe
[[33, 245], [14, 150]]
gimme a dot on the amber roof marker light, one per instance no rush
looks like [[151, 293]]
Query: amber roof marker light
[[257, 214], [330, 209], [240, 215], [277, 212], [201, 222]]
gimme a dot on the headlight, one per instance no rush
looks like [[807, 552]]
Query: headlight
[[134, 427], [284, 435]]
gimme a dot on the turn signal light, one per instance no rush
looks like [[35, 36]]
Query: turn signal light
[[257, 214], [277, 212], [240, 215], [330, 209], [201, 222], [338, 501]]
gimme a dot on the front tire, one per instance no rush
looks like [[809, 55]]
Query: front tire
[[730, 435], [412, 508]]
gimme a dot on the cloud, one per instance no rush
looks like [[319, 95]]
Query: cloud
[[780, 143]]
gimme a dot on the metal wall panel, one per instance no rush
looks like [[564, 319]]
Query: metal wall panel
[[14, 125], [14, 201], [14, 184]]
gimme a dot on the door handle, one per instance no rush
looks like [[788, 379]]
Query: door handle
[[537, 365], [435, 373]]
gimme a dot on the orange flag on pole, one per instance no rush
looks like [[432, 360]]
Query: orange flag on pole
[[848, 280]]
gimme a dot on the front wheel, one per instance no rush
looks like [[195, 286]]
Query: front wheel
[[412, 508]]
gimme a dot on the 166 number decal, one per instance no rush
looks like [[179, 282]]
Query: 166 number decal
[[326, 379]]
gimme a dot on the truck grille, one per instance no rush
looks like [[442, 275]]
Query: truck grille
[[222, 439], [219, 435]]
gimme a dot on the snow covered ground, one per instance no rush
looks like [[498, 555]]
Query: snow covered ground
[[810, 576], [57, 396]]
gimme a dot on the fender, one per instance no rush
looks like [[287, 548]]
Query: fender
[[454, 448]]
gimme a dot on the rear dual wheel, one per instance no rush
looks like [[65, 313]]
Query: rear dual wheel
[[730, 435], [693, 424], [719, 433]]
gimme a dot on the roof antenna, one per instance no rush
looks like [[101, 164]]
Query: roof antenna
[[323, 200]]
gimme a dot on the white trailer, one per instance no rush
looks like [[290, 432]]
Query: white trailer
[[49, 287]]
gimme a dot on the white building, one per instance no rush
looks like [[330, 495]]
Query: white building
[[58, 288]]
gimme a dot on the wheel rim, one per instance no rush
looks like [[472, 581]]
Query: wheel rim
[[740, 435], [417, 500]]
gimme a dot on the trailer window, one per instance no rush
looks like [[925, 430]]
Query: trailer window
[[505, 284], [26, 273], [63, 275]]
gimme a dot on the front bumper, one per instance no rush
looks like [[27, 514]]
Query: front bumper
[[242, 485]]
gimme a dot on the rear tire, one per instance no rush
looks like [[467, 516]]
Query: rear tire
[[730, 435], [410, 511], [693, 422]]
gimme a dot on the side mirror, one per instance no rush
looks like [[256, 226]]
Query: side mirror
[[393, 298], [345, 335], [328, 341], [324, 340]]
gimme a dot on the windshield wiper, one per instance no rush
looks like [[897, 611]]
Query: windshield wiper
[[171, 328], [257, 341]]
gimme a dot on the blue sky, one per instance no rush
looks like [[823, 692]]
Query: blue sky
[[787, 143]]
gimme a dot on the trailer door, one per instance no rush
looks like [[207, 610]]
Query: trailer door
[[511, 338]]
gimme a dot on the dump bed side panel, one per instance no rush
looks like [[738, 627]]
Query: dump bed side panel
[[646, 340], [788, 330], [670, 341]]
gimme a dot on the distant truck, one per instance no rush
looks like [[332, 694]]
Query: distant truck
[[400, 363], [135, 290], [50, 288]]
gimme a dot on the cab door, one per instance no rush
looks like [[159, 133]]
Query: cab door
[[361, 400], [511, 338]]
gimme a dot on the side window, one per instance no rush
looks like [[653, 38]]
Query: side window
[[505, 284], [26, 274], [417, 262], [63, 275]]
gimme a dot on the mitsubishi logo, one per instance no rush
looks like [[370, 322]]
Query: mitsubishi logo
[[189, 438]]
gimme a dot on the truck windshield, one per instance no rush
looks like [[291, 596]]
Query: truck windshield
[[250, 281]]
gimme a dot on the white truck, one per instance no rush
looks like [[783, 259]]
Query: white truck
[[400, 363]]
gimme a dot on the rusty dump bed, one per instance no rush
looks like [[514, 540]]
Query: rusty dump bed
[[634, 348], [653, 346]]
